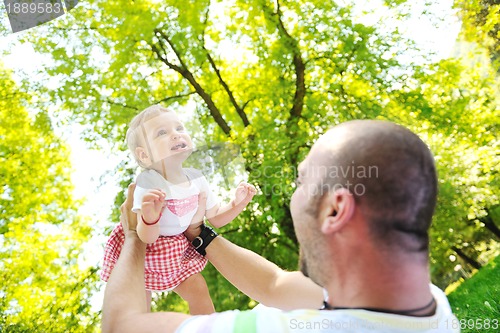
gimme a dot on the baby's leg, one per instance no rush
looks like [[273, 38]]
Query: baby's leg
[[194, 290]]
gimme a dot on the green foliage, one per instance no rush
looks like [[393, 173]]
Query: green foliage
[[481, 24], [270, 77], [43, 287], [475, 302], [4, 22], [456, 110]]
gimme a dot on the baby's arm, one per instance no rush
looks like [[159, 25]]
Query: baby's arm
[[148, 228], [220, 216]]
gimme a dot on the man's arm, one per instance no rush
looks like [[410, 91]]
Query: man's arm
[[259, 278], [124, 306]]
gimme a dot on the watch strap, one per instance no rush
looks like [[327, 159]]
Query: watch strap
[[206, 236]]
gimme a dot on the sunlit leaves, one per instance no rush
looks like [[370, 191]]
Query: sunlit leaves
[[481, 25], [43, 287]]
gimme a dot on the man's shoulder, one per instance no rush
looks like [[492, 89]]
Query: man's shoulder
[[261, 319], [264, 319]]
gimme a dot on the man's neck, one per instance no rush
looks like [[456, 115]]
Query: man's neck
[[385, 285]]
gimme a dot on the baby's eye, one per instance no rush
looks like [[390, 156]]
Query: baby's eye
[[180, 129], [161, 132]]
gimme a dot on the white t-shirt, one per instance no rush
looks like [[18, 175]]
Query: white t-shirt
[[270, 320], [181, 200]]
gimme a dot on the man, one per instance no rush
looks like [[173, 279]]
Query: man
[[362, 208]]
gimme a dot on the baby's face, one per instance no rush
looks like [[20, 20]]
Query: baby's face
[[167, 138]]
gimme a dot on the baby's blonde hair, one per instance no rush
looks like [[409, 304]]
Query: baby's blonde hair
[[135, 136]]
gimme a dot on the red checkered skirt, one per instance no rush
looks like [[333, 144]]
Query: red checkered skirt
[[169, 261]]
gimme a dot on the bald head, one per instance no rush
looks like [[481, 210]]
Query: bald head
[[391, 174]]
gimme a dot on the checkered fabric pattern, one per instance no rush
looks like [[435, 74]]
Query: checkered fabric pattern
[[169, 261]]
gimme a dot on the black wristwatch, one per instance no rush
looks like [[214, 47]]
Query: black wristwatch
[[201, 242]]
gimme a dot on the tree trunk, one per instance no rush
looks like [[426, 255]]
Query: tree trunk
[[466, 258], [490, 224]]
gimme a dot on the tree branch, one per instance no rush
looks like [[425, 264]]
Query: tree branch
[[164, 58], [185, 73], [246, 103], [490, 224], [166, 99], [109, 101], [239, 110], [298, 62]]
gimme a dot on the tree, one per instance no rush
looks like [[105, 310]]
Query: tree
[[458, 104], [269, 77], [43, 287], [481, 24]]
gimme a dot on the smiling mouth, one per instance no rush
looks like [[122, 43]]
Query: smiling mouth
[[181, 145]]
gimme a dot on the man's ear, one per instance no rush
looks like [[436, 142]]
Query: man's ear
[[142, 156], [338, 208]]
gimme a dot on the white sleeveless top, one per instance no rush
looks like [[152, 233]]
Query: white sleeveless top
[[181, 201]]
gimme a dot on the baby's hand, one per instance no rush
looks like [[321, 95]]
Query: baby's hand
[[244, 193], [153, 204]]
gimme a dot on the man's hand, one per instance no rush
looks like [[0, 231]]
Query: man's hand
[[193, 230], [244, 193], [128, 218]]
